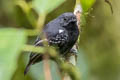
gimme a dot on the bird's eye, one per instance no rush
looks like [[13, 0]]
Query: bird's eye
[[65, 19]]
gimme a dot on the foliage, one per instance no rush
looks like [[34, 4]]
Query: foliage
[[43, 7], [27, 18], [11, 41], [87, 4]]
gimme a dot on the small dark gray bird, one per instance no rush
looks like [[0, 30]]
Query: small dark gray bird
[[61, 32]]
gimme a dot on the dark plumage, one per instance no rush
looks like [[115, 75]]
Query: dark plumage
[[61, 32]]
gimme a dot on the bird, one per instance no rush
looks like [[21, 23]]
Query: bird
[[62, 33]]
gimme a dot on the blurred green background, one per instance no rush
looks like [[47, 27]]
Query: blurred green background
[[99, 53]]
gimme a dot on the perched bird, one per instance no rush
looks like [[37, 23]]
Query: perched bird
[[61, 32]]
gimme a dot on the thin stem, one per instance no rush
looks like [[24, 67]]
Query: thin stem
[[40, 22], [108, 2], [47, 68], [30, 48], [63, 66]]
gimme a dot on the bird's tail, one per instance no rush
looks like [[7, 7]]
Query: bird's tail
[[27, 68]]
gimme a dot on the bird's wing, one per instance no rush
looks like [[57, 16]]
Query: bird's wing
[[59, 39], [33, 56], [37, 57]]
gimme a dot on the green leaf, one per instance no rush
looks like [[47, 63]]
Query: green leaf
[[83, 65], [46, 6], [87, 4], [11, 43]]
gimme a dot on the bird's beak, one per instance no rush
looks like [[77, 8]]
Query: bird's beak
[[73, 20]]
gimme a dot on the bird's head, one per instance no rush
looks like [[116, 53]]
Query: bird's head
[[67, 19]]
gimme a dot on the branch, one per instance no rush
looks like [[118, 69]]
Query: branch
[[47, 71], [108, 2], [63, 66]]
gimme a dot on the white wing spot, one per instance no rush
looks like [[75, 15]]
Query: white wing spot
[[60, 31]]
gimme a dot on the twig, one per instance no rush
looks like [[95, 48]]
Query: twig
[[47, 68], [63, 66], [40, 21], [72, 58], [107, 1], [31, 48]]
